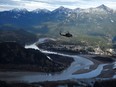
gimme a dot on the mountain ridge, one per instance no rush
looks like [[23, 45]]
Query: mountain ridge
[[90, 22], [60, 8]]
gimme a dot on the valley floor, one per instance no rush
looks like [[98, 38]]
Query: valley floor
[[85, 69]]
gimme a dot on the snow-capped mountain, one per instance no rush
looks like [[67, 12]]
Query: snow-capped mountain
[[41, 10], [103, 7], [19, 10], [99, 19], [62, 9]]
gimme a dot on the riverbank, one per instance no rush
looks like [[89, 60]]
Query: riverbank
[[84, 68]]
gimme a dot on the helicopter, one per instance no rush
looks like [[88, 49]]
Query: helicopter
[[66, 34]]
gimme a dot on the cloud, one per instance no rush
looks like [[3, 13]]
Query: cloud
[[9, 2], [35, 5], [53, 4]]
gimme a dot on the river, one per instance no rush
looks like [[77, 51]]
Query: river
[[78, 64]]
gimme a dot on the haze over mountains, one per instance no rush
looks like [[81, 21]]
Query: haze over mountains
[[97, 21]]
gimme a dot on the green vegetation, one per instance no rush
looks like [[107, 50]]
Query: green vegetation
[[81, 35], [9, 33]]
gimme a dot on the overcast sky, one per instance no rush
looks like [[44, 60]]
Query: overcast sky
[[53, 4]]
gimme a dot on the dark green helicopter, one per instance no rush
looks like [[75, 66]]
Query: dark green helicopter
[[66, 34]]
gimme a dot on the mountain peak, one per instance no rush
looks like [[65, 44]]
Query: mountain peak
[[62, 9], [103, 7], [19, 10], [77, 9], [40, 10]]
